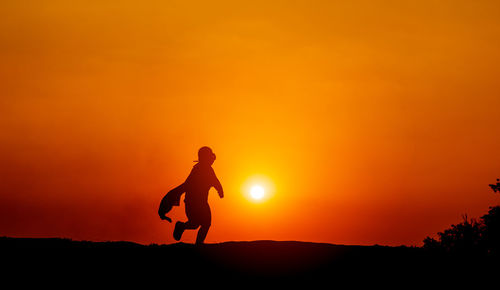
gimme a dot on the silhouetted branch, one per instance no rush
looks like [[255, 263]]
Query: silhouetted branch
[[496, 187]]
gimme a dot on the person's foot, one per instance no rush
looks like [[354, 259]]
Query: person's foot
[[178, 230]]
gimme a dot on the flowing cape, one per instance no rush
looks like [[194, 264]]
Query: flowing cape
[[171, 199]]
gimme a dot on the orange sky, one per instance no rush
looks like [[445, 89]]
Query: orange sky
[[375, 123]]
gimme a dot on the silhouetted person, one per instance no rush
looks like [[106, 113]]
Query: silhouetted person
[[196, 187]]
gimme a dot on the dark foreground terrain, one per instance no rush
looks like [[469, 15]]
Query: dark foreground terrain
[[63, 261]]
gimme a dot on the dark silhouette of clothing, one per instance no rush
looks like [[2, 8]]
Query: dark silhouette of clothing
[[171, 199], [199, 182], [196, 187]]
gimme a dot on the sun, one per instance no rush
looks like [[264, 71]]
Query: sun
[[258, 188], [257, 192]]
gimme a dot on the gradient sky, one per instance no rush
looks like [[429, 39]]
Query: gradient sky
[[372, 122]]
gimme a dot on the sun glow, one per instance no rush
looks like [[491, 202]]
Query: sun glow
[[258, 188], [257, 192]]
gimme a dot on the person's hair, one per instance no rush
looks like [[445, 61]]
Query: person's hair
[[205, 154]]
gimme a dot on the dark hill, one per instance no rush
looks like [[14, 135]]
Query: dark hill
[[284, 261]]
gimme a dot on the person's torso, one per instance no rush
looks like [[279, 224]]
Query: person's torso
[[198, 184]]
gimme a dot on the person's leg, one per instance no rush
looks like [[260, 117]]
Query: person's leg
[[193, 215], [205, 225], [202, 234], [179, 230], [180, 227], [190, 224]]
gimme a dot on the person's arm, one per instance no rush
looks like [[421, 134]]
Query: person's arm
[[217, 185]]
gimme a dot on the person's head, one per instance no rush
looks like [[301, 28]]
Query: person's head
[[206, 156]]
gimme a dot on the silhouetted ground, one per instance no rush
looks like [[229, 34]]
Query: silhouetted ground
[[63, 261]]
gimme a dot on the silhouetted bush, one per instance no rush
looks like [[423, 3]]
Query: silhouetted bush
[[463, 238], [491, 230], [471, 237]]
